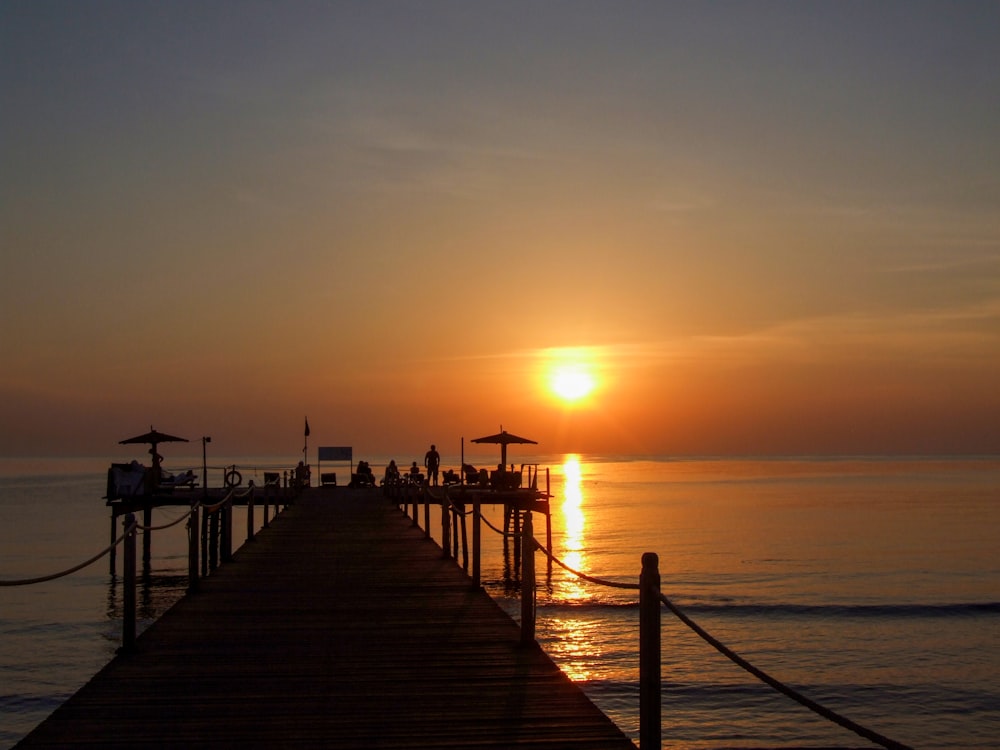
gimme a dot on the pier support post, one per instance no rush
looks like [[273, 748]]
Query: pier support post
[[213, 539], [204, 542], [528, 582], [446, 528], [226, 537], [193, 533], [649, 653], [250, 514], [128, 584], [147, 537], [114, 547], [460, 518], [476, 540]]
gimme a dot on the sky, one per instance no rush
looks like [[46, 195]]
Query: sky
[[747, 228]]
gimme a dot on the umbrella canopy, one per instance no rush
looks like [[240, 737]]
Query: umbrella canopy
[[153, 437], [503, 439]]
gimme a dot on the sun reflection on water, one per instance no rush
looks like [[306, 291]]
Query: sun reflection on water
[[574, 520], [573, 643]]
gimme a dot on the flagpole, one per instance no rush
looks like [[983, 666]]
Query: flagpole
[[305, 448]]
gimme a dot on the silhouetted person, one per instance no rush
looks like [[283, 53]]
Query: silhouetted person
[[432, 460], [391, 473]]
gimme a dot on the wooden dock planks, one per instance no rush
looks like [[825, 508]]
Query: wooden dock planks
[[339, 626]]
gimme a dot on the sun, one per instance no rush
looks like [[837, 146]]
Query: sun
[[570, 375], [572, 381]]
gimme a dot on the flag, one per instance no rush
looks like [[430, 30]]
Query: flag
[[307, 426]]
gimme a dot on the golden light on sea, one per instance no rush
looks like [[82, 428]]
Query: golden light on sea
[[574, 520]]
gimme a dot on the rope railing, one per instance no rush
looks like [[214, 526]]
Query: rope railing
[[760, 674], [69, 571], [183, 517], [781, 687], [221, 535], [134, 526]]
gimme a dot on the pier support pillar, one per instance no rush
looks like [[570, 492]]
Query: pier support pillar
[[128, 584], [113, 556], [476, 540], [147, 537], [528, 582], [193, 533]]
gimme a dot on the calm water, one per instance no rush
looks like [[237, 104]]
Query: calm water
[[873, 586]]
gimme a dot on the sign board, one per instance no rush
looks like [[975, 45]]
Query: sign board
[[336, 454]]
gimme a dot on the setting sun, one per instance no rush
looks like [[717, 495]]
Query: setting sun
[[572, 382], [570, 373]]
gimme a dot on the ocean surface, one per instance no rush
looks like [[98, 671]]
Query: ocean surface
[[871, 585]]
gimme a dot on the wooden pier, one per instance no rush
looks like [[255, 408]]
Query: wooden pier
[[338, 626]]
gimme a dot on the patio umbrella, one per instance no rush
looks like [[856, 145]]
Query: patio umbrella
[[154, 438], [504, 438]]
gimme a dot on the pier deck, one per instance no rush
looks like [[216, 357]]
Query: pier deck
[[339, 626]]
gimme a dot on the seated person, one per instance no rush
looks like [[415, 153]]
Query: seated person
[[450, 477], [415, 475], [364, 476], [186, 478], [391, 473], [302, 475]]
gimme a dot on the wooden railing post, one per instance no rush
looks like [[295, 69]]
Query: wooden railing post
[[128, 585], [476, 541], [114, 535], [147, 537], [193, 533], [460, 518], [649, 653], [250, 509], [226, 542], [213, 539], [446, 527], [527, 581]]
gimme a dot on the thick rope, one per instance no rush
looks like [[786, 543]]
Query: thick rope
[[760, 674], [780, 686], [166, 525], [41, 579], [508, 535], [584, 576], [223, 501]]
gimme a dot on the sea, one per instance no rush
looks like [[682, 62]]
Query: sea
[[869, 584]]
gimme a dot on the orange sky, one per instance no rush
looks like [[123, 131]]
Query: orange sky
[[764, 229]]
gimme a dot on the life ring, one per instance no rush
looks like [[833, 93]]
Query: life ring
[[233, 479]]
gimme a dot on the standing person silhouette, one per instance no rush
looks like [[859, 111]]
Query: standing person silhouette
[[432, 460]]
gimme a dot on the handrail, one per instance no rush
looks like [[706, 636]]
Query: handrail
[[183, 517], [760, 674], [75, 568], [781, 687], [128, 535]]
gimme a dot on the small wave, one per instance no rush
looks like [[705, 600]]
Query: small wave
[[966, 609], [960, 609]]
